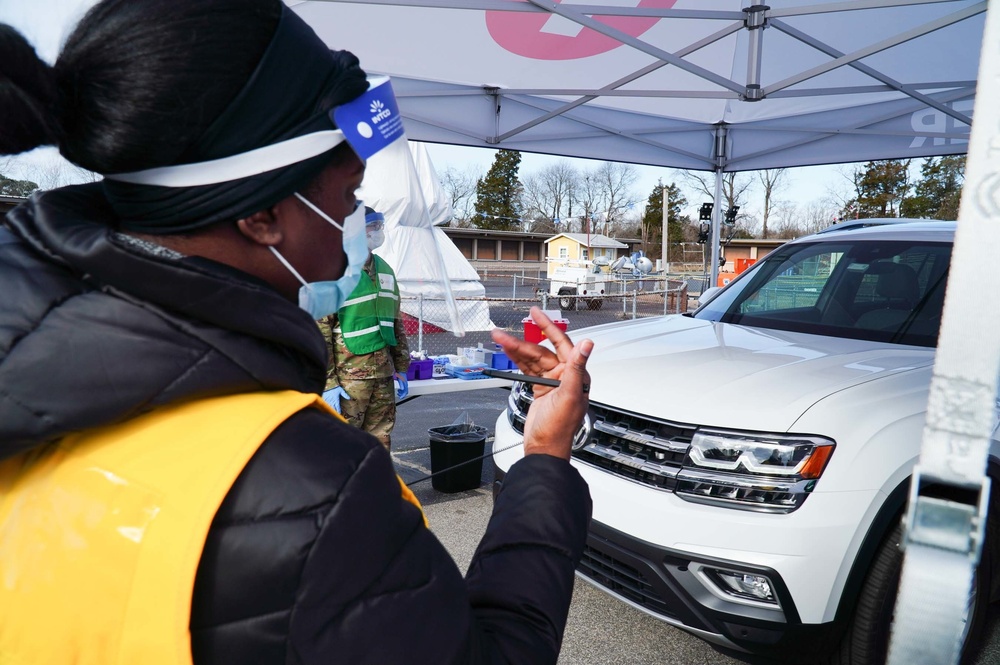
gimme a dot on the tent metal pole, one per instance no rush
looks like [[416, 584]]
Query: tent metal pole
[[720, 162], [664, 244], [716, 224], [756, 18]]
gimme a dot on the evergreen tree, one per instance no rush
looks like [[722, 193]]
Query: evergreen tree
[[498, 194], [939, 190], [880, 187], [10, 187], [652, 221]]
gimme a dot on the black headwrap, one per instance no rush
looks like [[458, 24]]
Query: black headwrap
[[297, 81]]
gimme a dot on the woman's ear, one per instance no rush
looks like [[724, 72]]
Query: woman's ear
[[261, 227]]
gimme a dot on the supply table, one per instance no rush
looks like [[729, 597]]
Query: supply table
[[450, 385]]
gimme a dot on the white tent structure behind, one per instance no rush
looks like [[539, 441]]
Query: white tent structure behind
[[715, 85], [407, 189]]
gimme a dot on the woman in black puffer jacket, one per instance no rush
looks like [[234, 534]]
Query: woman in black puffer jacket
[[147, 295]]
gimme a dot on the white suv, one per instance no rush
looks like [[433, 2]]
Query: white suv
[[749, 462]]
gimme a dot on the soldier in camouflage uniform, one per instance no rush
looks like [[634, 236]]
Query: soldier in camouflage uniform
[[364, 356]]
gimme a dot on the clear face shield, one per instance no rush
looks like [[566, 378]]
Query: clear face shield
[[413, 247], [401, 186]]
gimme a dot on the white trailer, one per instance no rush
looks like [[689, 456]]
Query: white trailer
[[571, 285]]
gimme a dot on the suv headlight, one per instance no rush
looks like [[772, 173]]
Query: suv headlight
[[762, 472]]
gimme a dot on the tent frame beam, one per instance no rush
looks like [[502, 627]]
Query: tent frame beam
[[640, 12], [689, 49], [857, 90], [754, 19], [878, 47]]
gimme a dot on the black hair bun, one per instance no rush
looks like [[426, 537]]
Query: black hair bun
[[27, 96]]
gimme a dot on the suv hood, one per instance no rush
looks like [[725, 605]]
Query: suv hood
[[723, 375]]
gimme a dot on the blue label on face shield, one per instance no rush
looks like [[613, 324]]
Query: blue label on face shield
[[372, 121]]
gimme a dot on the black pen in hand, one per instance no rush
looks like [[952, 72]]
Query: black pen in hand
[[524, 378]]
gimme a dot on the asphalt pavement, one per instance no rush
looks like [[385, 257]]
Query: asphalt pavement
[[601, 629]]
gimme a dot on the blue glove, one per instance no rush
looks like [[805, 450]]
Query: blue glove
[[333, 397], [402, 386]]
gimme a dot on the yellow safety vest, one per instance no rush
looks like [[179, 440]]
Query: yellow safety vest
[[101, 533]]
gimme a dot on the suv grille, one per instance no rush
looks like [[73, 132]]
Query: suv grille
[[646, 451]]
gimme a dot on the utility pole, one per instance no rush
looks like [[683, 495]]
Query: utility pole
[[664, 245]]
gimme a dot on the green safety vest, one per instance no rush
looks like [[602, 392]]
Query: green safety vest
[[368, 317]]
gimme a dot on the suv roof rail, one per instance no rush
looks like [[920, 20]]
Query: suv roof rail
[[854, 224]]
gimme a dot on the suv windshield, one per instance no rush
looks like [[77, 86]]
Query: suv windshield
[[883, 291]]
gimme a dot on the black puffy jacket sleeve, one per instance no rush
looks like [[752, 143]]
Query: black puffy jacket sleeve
[[314, 557]]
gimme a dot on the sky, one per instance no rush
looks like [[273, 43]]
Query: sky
[[802, 186]]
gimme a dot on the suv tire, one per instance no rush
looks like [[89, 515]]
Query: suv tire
[[866, 641]]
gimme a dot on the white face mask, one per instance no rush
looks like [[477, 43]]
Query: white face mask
[[375, 239], [321, 299]]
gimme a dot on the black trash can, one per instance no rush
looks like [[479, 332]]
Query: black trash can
[[454, 447]]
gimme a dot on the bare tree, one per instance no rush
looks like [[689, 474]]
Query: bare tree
[[461, 187], [628, 225], [548, 192], [586, 194], [818, 215], [840, 193], [748, 226], [793, 221], [771, 181], [83, 175], [786, 222], [614, 181], [735, 186], [543, 224]]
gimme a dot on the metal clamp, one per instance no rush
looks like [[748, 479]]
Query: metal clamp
[[946, 524], [756, 16]]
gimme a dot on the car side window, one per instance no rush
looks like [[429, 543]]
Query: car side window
[[887, 291], [796, 286]]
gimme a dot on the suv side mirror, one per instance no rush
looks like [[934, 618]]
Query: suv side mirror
[[708, 294]]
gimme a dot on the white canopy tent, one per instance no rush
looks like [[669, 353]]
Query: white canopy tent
[[719, 85], [404, 187]]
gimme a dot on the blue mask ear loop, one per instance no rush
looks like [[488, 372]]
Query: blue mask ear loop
[[288, 265], [322, 214], [314, 208]]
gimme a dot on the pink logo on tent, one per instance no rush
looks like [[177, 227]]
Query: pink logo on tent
[[522, 33]]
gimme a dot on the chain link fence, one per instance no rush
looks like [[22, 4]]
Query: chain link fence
[[510, 294]]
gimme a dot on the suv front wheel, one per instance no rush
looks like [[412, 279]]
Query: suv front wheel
[[866, 641]]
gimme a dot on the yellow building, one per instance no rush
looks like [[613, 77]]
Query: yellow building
[[579, 249]]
